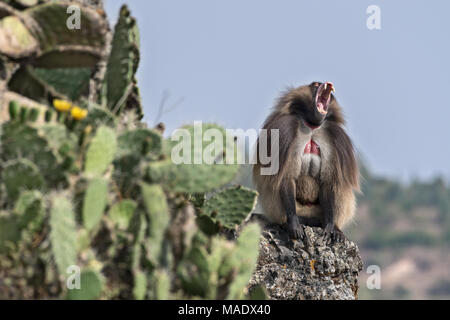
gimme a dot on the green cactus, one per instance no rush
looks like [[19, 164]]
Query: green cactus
[[24, 141], [13, 110], [9, 232], [34, 114], [139, 142], [208, 224], [94, 203], [59, 139], [54, 36], [101, 152], [30, 208], [139, 277], [203, 272], [48, 115], [191, 177], [122, 213], [194, 272], [231, 206], [63, 234], [28, 215], [24, 83], [140, 285], [99, 116], [20, 175], [243, 260], [147, 244], [91, 286], [65, 82], [23, 114], [161, 285], [157, 210], [258, 293], [123, 63], [65, 58]]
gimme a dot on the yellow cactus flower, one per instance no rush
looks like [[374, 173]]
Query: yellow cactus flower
[[78, 113], [62, 105]]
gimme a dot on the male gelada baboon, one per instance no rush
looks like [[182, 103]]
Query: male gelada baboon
[[318, 173]]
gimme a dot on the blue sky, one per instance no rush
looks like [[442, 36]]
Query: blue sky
[[227, 60]]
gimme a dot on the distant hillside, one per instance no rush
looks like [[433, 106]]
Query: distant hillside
[[405, 229]]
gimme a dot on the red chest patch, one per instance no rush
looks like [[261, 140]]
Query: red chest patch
[[312, 147]]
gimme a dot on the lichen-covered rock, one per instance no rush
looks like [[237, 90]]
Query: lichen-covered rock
[[299, 270]]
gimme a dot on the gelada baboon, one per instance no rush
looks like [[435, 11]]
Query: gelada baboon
[[318, 172]]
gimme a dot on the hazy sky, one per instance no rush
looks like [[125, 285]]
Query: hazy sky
[[229, 59]]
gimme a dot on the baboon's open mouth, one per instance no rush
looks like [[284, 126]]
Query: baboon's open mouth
[[323, 97]]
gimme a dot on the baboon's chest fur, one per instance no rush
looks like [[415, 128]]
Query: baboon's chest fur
[[307, 181]]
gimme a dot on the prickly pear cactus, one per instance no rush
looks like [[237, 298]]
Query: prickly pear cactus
[[63, 233], [122, 65], [231, 206], [93, 204]]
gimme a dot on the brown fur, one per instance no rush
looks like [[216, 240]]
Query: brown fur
[[339, 173], [307, 190]]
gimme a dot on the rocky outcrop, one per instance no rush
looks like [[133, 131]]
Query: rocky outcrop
[[299, 270]]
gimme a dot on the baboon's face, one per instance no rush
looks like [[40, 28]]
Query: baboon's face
[[312, 102]]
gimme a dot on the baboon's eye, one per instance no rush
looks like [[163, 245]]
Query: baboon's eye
[[315, 84]]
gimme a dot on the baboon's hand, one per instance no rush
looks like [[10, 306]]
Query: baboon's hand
[[333, 234], [295, 229]]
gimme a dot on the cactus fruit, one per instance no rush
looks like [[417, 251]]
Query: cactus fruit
[[34, 114], [48, 115], [13, 110], [23, 114]]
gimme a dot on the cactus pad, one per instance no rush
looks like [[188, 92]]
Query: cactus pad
[[94, 203], [63, 234], [122, 212], [101, 151], [231, 206], [90, 286]]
